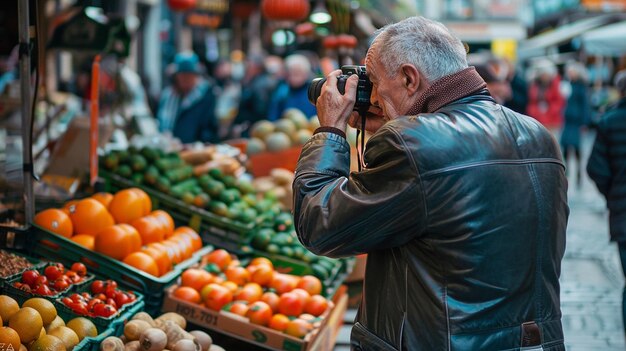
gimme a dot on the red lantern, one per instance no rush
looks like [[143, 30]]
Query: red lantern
[[181, 5], [330, 42], [347, 40], [285, 10]]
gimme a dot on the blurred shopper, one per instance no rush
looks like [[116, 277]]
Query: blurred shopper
[[187, 107], [257, 88], [461, 205], [577, 115], [545, 101], [494, 72], [519, 90], [293, 92], [607, 168]]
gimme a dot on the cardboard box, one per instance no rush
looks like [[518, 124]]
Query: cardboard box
[[261, 164], [70, 157], [321, 339]]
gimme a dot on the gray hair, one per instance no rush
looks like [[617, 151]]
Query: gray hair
[[298, 61], [620, 81], [426, 44], [578, 68]]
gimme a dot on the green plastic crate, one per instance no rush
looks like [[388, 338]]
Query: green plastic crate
[[115, 322], [93, 343], [52, 246]]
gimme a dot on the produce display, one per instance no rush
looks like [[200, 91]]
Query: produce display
[[293, 129], [124, 227], [105, 300], [51, 280], [277, 185], [36, 326], [12, 264], [143, 333], [283, 302]]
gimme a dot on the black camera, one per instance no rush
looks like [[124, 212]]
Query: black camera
[[363, 91]]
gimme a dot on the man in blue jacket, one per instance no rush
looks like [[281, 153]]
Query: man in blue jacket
[[187, 107]]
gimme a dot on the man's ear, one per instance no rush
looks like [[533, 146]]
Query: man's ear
[[411, 78]]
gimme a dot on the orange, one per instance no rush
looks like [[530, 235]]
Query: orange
[[261, 261], [160, 257], [279, 322], [184, 243], [67, 205], [176, 252], [149, 228], [291, 304], [262, 275], [259, 313], [127, 205], [169, 250], [27, 323], [103, 198], [230, 285], [238, 275], [86, 240], [311, 284], [219, 257], [89, 217], [272, 299], [195, 278], [166, 220], [283, 283], [298, 328], [55, 221], [8, 307], [9, 339], [118, 241], [145, 200], [142, 262], [237, 307], [186, 293], [196, 240]]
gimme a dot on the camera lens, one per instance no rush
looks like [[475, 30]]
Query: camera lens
[[315, 89]]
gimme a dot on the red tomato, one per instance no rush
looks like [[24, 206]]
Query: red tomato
[[86, 295], [29, 277], [316, 305], [259, 313], [112, 303], [111, 283], [92, 303], [216, 296], [43, 289], [100, 296], [77, 297], [74, 277], [110, 292], [60, 284], [97, 286], [104, 310], [121, 299], [291, 304], [79, 308], [41, 280], [67, 301], [79, 268], [53, 272]]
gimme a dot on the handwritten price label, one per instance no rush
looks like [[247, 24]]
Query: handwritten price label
[[194, 314]]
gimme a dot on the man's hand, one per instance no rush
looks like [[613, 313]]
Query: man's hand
[[334, 109], [374, 119]]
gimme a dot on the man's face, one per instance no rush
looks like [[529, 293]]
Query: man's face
[[388, 92], [297, 77], [185, 81]]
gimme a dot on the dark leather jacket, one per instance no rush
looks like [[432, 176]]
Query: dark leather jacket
[[462, 213]]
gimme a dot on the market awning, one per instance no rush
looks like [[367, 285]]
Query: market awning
[[565, 33], [609, 40]]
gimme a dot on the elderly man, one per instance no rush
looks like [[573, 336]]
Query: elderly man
[[607, 168], [293, 92], [461, 206]]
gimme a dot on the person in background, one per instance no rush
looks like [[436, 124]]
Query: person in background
[[545, 101], [519, 90], [607, 168], [461, 205], [187, 107], [294, 92], [577, 115], [494, 72], [257, 88]]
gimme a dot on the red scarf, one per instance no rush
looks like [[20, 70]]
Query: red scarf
[[448, 89]]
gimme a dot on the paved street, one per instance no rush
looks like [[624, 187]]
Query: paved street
[[591, 281]]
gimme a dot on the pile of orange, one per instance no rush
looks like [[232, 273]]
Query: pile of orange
[[283, 302], [124, 227]]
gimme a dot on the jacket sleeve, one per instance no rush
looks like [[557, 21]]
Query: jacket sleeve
[[598, 167], [340, 214]]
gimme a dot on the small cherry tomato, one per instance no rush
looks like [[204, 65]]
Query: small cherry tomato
[[112, 303], [111, 283], [97, 287], [29, 277], [104, 310], [53, 272], [43, 290], [60, 284], [41, 280], [79, 268], [122, 298]]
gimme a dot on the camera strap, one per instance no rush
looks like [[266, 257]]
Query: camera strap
[[361, 150]]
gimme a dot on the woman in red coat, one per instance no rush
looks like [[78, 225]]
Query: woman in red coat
[[545, 101]]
